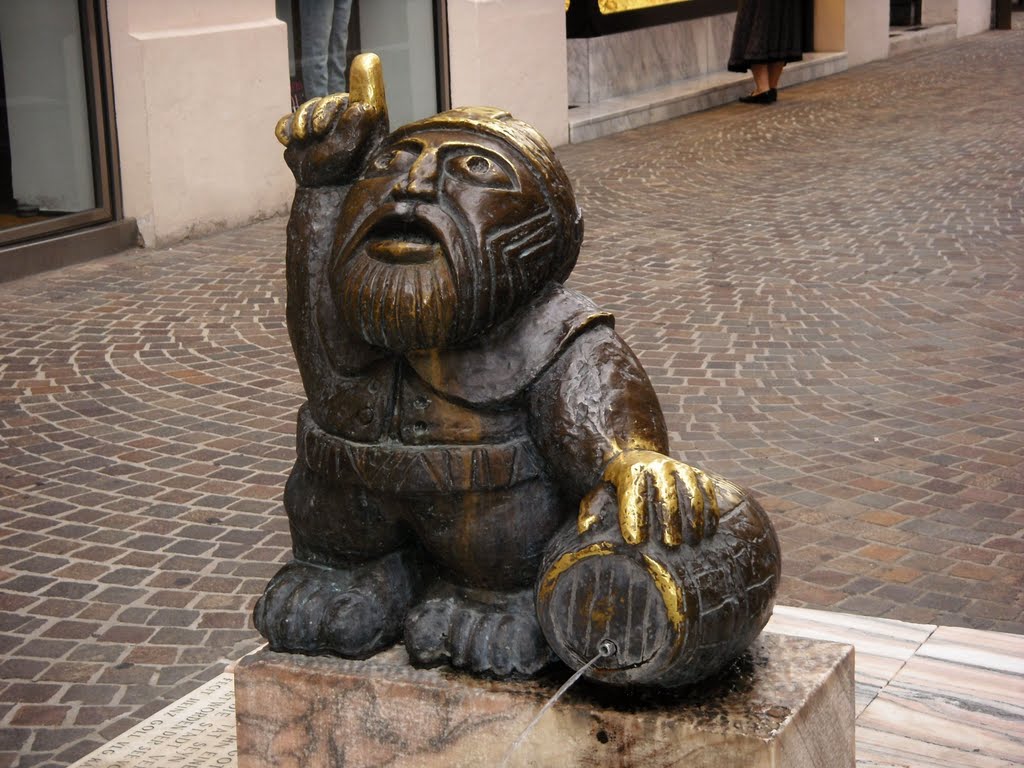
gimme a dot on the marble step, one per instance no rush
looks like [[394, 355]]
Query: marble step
[[903, 39], [622, 113]]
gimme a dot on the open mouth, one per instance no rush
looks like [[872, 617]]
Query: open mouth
[[402, 241]]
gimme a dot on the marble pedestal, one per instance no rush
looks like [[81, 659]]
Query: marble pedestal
[[787, 703]]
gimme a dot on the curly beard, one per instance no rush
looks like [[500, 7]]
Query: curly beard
[[398, 307]]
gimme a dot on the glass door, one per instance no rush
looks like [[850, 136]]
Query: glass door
[[403, 34], [408, 35]]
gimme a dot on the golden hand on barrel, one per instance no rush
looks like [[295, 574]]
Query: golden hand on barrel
[[681, 503]]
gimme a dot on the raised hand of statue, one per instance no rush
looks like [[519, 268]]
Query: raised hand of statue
[[327, 140], [659, 497]]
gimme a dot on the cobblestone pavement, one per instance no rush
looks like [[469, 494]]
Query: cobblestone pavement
[[827, 293]]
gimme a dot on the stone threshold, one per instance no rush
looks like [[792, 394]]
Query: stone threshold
[[941, 697], [622, 113], [903, 39]]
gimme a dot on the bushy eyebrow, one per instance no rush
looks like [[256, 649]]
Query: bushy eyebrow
[[409, 143], [413, 143]]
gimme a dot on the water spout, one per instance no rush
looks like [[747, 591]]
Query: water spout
[[604, 649]]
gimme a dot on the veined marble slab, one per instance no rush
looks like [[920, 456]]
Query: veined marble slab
[[877, 749], [974, 648], [958, 702], [879, 637], [638, 60], [883, 646]]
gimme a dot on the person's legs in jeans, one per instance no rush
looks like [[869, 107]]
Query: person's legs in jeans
[[315, 28], [336, 60]]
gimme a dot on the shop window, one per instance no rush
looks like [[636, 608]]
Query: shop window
[[406, 34], [55, 170]]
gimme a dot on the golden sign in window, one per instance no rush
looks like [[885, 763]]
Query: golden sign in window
[[618, 6]]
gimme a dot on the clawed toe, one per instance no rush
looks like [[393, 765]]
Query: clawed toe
[[503, 640], [352, 613]]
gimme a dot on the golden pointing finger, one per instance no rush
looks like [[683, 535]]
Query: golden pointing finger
[[366, 82]]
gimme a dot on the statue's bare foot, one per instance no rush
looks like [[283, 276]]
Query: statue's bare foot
[[484, 632], [353, 613]]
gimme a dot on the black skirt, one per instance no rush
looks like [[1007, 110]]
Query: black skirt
[[766, 31]]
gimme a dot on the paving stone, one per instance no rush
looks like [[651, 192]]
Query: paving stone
[[39, 714], [54, 739], [29, 693], [96, 652], [12, 739], [119, 595], [71, 672], [27, 583], [827, 294]]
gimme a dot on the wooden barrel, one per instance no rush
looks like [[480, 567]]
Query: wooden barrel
[[673, 614]]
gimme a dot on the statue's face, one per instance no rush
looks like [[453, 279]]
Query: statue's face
[[441, 237]]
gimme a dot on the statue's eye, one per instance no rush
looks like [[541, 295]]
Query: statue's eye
[[393, 160], [481, 170]]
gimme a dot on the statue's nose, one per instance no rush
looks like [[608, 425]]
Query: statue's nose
[[421, 181]]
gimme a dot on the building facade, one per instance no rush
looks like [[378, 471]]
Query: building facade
[[128, 122]]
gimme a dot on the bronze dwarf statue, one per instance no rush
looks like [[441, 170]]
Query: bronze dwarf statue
[[482, 466]]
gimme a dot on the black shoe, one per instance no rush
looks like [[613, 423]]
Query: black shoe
[[765, 97], [774, 93]]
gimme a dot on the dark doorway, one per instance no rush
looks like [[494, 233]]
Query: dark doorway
[[6, 182], [904, 13]]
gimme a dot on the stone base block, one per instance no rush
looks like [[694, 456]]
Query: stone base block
[[787, 703]]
